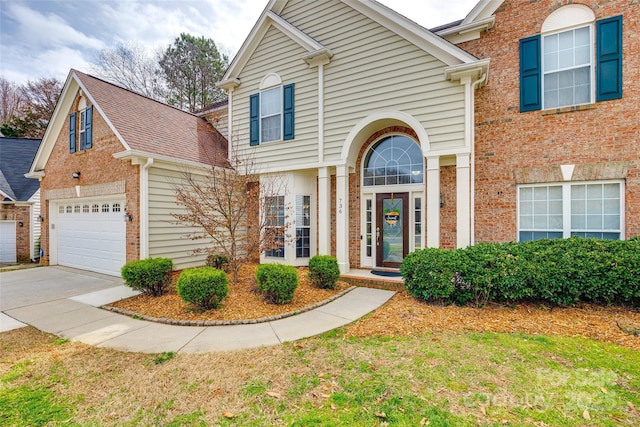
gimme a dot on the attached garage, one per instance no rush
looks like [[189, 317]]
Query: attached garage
[[91, 235], [8, 241]]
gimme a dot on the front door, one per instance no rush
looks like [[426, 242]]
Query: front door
[[392, 229]]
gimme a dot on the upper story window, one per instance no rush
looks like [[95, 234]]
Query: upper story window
[[80, 129], [271, 115], [567, 68], [271, 111], [572, 61], [393, 160]]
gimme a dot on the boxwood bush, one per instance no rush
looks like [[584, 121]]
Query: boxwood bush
[[324, 272], [277, 282], [558, 272], [204, 287], [151, 276]]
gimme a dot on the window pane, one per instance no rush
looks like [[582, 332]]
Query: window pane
[[611, 191], [270, 102], [270, 128], [395, 160]]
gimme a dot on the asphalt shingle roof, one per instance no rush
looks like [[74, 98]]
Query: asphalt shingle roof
[[153, 127], [16, 156]]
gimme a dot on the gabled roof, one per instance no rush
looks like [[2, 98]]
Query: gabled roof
[[143, 125], [16, 155], [421, 37]]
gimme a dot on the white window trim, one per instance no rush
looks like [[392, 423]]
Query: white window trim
[[570, 17], [566, 203], [592, 73], [281, 114]]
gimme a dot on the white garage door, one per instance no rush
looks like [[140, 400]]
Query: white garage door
[[91, 235], [7, 241]]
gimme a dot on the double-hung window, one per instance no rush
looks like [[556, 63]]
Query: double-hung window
[[567, 68], [271, 115], [593, 209], [574, 60], [80, 130]]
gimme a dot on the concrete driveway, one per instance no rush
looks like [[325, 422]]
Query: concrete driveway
[[34, 286], [20, 288]]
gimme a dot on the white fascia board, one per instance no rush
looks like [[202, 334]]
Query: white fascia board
[[465, 32], [58, 120], [483, 9], [104, 116], [440, 48], [35, 175], [136, 156], [474, 70], [6, 196], [54, 127], [267, 19]]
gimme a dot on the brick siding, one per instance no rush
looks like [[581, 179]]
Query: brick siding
[[96, 166], [593, 136]]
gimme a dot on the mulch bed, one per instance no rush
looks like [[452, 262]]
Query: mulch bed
[[404, 315], [243, 302]]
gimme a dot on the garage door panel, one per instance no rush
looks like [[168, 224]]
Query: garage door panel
[[92, 240], [8, 241]]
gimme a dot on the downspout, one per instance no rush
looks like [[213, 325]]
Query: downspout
[[144, 209], [229, 122], [473, 160]]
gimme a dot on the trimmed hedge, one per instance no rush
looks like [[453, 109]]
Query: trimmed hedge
[[323, 271], [151, 276], [277, 282], [558, 271], [205, 287]]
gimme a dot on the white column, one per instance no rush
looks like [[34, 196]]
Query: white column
[[463, 197], [342, 217], [324, 211], [433, 201]]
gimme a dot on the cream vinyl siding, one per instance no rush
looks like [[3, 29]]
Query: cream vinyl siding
[[166, 238], [373, 69], [277, 53], [35, 225]]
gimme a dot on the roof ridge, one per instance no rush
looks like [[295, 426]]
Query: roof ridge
[[134, 92]]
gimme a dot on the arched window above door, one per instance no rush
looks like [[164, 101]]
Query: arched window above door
[[394, 160]]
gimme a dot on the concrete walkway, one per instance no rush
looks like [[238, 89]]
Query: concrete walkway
[[65, 302]]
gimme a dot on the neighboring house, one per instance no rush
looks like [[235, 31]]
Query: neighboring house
[[107, 167], [20, 208], [518, 122]]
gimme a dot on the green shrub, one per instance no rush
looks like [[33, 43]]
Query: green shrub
[[323, 271], [219, 261], [205, 287], [429, 274], [277, 282], [151, 276], [559, 272]]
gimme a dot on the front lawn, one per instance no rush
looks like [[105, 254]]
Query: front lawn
[[437, 379]]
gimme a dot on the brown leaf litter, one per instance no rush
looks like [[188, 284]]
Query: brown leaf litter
[[404, 315]]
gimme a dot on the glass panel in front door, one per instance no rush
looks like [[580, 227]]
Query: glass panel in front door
[[392, 230]]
